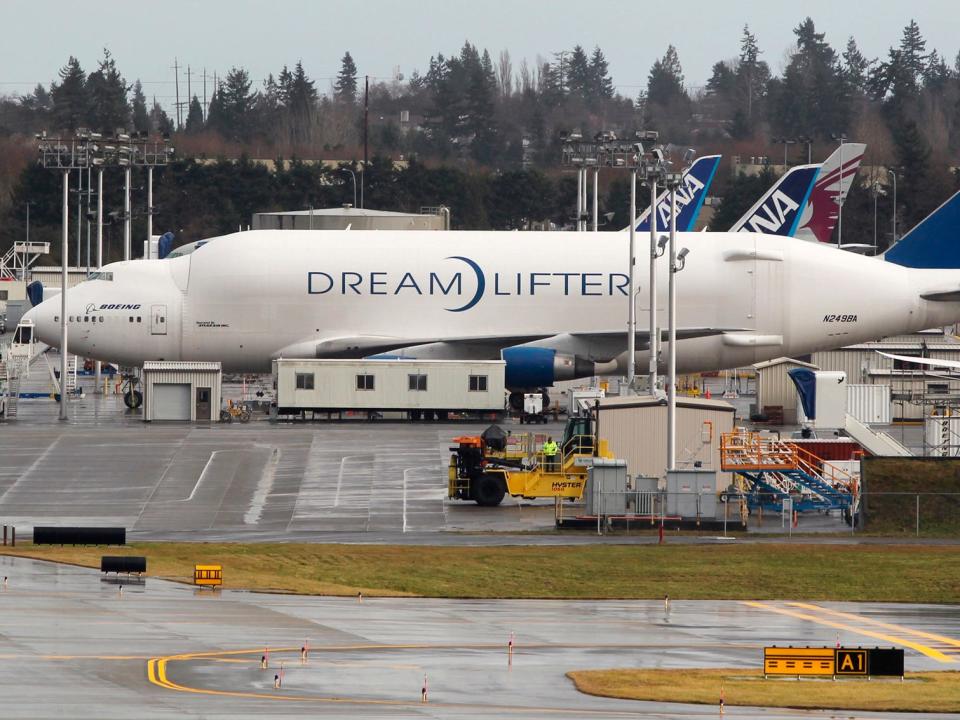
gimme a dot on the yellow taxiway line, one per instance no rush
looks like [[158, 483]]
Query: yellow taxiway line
[[157, 675], [877, 623], [893, 639]]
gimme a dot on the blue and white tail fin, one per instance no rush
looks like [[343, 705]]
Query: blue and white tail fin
[[778, 211], [690, 196], [934, 242]]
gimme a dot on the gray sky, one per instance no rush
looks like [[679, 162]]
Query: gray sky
[[39, 35]]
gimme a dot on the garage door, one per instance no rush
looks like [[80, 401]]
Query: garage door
[[171, 402]]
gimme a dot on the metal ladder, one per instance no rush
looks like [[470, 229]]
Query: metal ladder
[[70, 382], [12, 370]]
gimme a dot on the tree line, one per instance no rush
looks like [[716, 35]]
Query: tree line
[[478, 123]]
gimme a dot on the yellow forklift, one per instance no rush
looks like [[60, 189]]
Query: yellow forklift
[[484, 468]]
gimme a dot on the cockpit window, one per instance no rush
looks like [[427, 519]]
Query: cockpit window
[[101, 275]]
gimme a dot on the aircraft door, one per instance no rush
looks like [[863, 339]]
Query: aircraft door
[[158, 319]]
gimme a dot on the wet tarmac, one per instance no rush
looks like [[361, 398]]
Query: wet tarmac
[[77, 646]]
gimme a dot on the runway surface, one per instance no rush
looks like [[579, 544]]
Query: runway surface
[[76, 646]]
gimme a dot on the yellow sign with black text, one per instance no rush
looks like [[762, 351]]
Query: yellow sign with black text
[[851, 662]]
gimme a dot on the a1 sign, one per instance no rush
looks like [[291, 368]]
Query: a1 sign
[[850, 662]]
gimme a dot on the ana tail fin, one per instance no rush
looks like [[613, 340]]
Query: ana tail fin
[[778, 211], [690, 196]]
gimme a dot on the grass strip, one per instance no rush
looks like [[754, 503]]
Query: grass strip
[[937, 692], [887, 573]]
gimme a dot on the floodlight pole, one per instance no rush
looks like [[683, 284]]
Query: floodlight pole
[[79, 215], [63, 295], [894, 176], [579, 197], [672, 337], [97, 367], [596, 182], [632, 312], [150, 214], [126, 213], [654, 330]]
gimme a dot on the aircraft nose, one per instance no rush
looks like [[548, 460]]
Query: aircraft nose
[[42, 318]]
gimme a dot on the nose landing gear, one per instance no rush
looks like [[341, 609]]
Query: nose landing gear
[[132, 397]]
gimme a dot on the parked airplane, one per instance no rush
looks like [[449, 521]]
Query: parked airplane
[[553, 306], [830, 192], [803, 202], [778, 210], [694, 186]]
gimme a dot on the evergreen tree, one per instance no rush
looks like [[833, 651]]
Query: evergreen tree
[[141, 121], [812, 98], [233, 118], [856, 67], [194, 122], [107, 94], [578, 73], [601, 84], [937, 75], [665, 82], [301, 101], [70, 102], [752, 75], [159, 120], [913, 52], [345, 89]]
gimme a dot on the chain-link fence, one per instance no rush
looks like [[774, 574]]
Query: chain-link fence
[[906, 513]]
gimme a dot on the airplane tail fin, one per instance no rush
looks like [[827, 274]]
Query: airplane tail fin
[[934, 242], [819, 217], [778, 211], [690, 196]]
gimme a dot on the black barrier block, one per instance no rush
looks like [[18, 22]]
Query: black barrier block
[[79, 536], [123, 564], [885, 661]]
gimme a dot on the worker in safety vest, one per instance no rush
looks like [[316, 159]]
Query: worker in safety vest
[[550, 449]]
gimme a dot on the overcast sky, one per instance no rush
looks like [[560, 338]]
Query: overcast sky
[[39, 35]]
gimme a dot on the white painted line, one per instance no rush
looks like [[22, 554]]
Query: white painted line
[[203, 474], [264, 486]]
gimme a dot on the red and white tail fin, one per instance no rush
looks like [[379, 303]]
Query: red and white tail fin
[[819, 217]]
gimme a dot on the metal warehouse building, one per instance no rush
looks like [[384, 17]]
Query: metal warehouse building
[[186, 391], [636, 429], [776, 390]]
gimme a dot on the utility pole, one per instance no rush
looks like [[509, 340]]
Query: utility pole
[[366, 131], [176, 84], [204, 113]]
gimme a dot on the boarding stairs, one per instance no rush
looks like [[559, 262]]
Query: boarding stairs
[[774, 470]]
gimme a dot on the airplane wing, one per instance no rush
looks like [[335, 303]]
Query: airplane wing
[[472, 346], [942, 364]]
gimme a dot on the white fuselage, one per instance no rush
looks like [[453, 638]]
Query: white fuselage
[[247, 298]]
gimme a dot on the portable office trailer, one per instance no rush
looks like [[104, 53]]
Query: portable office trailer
[[420, 388], [186, 391]]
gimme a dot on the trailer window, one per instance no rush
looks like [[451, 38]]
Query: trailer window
[[938, 388], [304, 381], [478, 383], [417, 382], [364, 382]]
